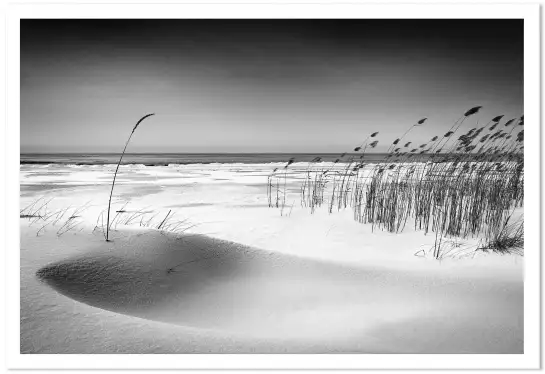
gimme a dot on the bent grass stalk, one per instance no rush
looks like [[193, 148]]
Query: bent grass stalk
[[116, 170]]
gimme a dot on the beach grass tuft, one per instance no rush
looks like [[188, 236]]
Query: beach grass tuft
[[454, 186]]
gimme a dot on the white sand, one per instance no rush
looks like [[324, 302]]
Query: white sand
[[257, 282]]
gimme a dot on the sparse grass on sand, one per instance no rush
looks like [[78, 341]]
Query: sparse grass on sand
[[70, 218]]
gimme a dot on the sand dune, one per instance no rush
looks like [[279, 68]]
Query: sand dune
[[249, 300], [253, 281]]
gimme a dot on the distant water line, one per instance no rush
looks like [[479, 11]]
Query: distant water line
[[163, 159]]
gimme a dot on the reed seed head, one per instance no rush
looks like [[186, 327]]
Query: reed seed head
[[140, 121], [472, 111]]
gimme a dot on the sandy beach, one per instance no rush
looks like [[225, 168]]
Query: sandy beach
[[293, 182], [235, 276]]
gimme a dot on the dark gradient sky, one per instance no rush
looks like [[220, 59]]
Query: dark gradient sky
[[260, 85]]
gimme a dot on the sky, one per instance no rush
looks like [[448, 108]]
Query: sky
[[260, 85]]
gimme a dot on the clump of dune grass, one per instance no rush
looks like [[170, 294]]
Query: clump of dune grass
[[454, 185], [314, 185], [277, 187], [510, 239], [117, 168]]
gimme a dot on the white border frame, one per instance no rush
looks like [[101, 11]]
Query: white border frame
[[531, 357]]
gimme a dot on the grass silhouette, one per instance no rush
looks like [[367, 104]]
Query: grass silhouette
[[116, 170], [454, 185]]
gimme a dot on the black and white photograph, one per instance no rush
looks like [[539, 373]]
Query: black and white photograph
[[272, 186]]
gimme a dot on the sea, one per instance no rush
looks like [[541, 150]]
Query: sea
[[164, 159]]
